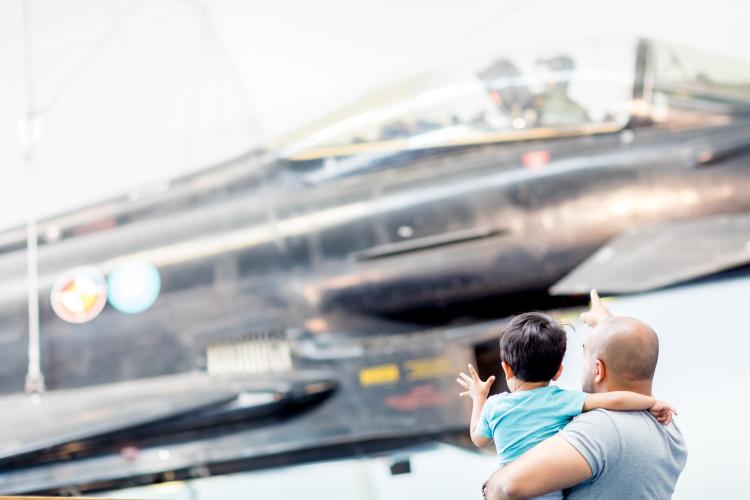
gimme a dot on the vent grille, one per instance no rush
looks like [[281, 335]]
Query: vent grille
[[255, 354]]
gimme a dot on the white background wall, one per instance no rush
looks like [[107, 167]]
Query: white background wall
[[140, 90]]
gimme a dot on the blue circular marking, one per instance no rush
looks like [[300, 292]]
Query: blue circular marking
[[134, 287]]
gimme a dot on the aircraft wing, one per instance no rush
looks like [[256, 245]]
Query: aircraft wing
[[75, 422], [345, 396], [657, 256]]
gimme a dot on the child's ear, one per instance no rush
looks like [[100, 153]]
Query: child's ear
[[507, 370], [559, 372]]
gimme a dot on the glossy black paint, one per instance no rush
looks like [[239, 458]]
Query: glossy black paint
[[447, 229]]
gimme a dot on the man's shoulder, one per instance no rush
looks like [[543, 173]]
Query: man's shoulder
[[603, 419], [623, 421], [598, 436], [613, 417], [634, 426], [616, 444], [621, 424], [601, 424], [617, 441]]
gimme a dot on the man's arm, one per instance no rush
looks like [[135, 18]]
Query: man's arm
[[597, 312], [552, 465]]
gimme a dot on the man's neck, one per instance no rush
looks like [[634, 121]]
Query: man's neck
[[640, 386]]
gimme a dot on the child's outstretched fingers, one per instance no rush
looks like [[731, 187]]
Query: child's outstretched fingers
[[473, 373], [476, 387]]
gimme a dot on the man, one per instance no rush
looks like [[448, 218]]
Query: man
[[603, 454]]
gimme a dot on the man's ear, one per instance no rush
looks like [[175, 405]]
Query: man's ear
[[600, 371], [507, 370], [559, 372]]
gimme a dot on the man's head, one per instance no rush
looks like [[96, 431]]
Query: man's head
[[533, 346], [620, 353]]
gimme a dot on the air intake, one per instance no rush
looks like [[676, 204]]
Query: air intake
[[258, 353]]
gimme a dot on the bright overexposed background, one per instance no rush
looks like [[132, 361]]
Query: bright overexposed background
[[129, 91]]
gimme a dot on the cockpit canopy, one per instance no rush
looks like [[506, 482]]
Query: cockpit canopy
[[533, 93], [681, 80]]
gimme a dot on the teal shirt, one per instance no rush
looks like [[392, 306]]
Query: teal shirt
[[518, 421]]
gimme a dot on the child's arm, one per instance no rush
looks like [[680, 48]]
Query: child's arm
[[478, 389], [618, 400], [630, 401], [476, 410]]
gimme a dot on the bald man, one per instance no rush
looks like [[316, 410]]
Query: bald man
[[604, 454]]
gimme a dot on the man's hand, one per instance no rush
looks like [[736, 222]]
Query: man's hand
[[663, 411], [477, 388], [597, 312]]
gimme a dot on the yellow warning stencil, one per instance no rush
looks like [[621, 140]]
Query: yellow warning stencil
[[430, 368], [380, 374]]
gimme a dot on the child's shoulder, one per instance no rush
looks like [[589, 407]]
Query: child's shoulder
[[497, 397], [554, 393], [501, 400], [551, 392], [546, 396], [500, 396], [559, 391]]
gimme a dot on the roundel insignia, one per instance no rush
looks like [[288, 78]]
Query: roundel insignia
[[134, 286], [79, 295]]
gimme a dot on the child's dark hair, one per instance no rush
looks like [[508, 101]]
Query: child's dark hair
[[533, 345]]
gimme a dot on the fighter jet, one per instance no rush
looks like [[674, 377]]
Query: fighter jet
[[311, 300]]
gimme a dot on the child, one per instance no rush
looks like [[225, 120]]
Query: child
[[532, 347]]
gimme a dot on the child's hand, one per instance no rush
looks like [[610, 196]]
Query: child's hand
[[477, 388], [663, 411]]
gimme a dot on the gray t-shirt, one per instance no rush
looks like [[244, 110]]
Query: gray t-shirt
[[631, 455]]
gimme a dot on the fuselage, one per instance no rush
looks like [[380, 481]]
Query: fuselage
[[445, 228]]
